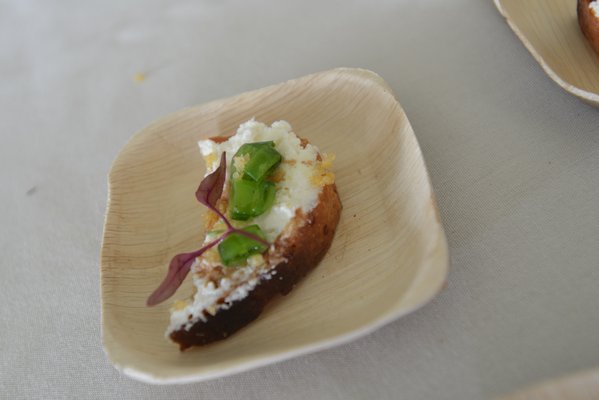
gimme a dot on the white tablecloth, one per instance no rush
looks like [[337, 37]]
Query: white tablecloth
[[514, 161]]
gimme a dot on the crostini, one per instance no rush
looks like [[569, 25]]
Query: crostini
[[273, 211], [588, 19]]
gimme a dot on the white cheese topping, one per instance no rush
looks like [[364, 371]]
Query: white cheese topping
[[594, 6], [295, 191]]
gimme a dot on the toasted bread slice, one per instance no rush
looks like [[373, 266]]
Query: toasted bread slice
[[588, 19], [300, 232]]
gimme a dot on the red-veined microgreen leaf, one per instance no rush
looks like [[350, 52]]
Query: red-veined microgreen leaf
[[177, 271], [208, 193], [211, 187]]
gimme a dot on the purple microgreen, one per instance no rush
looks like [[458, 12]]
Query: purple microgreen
[[177, 271], [211, 187], [208, 193]]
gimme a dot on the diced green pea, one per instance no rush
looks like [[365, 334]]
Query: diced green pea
[[250, 199], [236, 248], [263, 160]]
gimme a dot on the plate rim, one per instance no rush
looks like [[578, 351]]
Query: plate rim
[[384, 318], [589, 97]]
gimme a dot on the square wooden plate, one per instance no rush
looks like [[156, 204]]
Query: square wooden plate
[[549, 30], [389, 255]]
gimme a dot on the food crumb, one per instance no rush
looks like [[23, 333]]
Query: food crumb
[[179, 305], [139, 77]]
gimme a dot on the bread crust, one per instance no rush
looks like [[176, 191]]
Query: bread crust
[[589, 23], [297, 254]]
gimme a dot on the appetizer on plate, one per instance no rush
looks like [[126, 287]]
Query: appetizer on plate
[[588, 19], [273, 210]]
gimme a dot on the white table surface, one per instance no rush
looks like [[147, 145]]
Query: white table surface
[[514, 161]]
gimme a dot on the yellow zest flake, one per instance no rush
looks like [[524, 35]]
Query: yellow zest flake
[[210, 218], [240, 162], [327, 160], [256, 260], [179, 305], [209, 159], [139, 77], [322, 176], [222, 205], [323, 179], [211, 309]]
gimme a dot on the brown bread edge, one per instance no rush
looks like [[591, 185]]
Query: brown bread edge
[[589, 24], [303, 251]]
